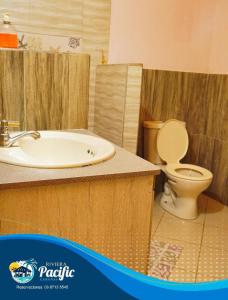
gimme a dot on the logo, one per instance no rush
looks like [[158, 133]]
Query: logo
[[59, 272], [23, 271]]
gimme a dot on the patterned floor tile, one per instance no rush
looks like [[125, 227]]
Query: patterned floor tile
[[215, 237], [213, 263], [204, 241], [189, 256], [218, 219], [180, 275], [206, 277], [163, 258]]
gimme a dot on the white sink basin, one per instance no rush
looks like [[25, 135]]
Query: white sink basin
[[56, 149]]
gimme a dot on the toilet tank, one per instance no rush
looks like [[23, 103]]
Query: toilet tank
[[150, 152]]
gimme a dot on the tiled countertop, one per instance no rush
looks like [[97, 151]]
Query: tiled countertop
[[123, 164]]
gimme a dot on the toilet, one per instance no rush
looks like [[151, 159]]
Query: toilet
[[185, 182]]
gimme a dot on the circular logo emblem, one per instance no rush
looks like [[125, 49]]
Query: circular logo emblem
[[22, 271]]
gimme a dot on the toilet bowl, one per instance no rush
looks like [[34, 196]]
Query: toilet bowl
[[185, 181]]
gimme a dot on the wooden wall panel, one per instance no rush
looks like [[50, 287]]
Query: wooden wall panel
[[44, 90], [56, 90], [201, 100], [12, 86], [79, 79]]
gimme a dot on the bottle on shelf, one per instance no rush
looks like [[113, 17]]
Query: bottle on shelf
[[8, 33]]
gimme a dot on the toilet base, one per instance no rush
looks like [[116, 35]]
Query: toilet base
[[181, 207]]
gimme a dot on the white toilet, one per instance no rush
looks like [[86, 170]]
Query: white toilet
[[185, 182]]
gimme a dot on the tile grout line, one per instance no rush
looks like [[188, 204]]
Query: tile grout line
[[201, 243], [159, 223]]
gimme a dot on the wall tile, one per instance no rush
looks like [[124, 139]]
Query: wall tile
[[47, 79], [110, 102], [12, 86], [219, 168], [192, 155], [117, 104], [217, 107], [197, 108], [56, 97], [56, 17], [76, 109], [132, 108]]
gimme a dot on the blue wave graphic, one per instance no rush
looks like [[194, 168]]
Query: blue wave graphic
[[137, 285]]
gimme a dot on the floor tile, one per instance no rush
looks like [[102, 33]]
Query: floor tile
[[158, 213], [163, 258], [218, 219], [181, 275], [215, 206], [200, 219], [215, 237], [206, 277], [174, 228], [213, 263], [217, 214], [158, 210], [155, 222], [189, 256]]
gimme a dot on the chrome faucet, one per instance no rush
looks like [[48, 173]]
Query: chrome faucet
[[6, 140]]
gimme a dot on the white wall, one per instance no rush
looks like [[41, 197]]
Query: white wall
[[185, 35]]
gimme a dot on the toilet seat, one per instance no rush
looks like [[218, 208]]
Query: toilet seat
[[188, 172], [172, 146]]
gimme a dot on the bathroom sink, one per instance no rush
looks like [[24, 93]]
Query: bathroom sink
[[57, 149]]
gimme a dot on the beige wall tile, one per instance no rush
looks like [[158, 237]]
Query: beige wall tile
[[132, 108], [110, 102], [117, 104]]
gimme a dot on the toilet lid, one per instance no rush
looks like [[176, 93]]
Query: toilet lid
[[172, 141]]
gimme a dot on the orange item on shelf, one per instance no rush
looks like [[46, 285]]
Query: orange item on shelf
[[8, 40]]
